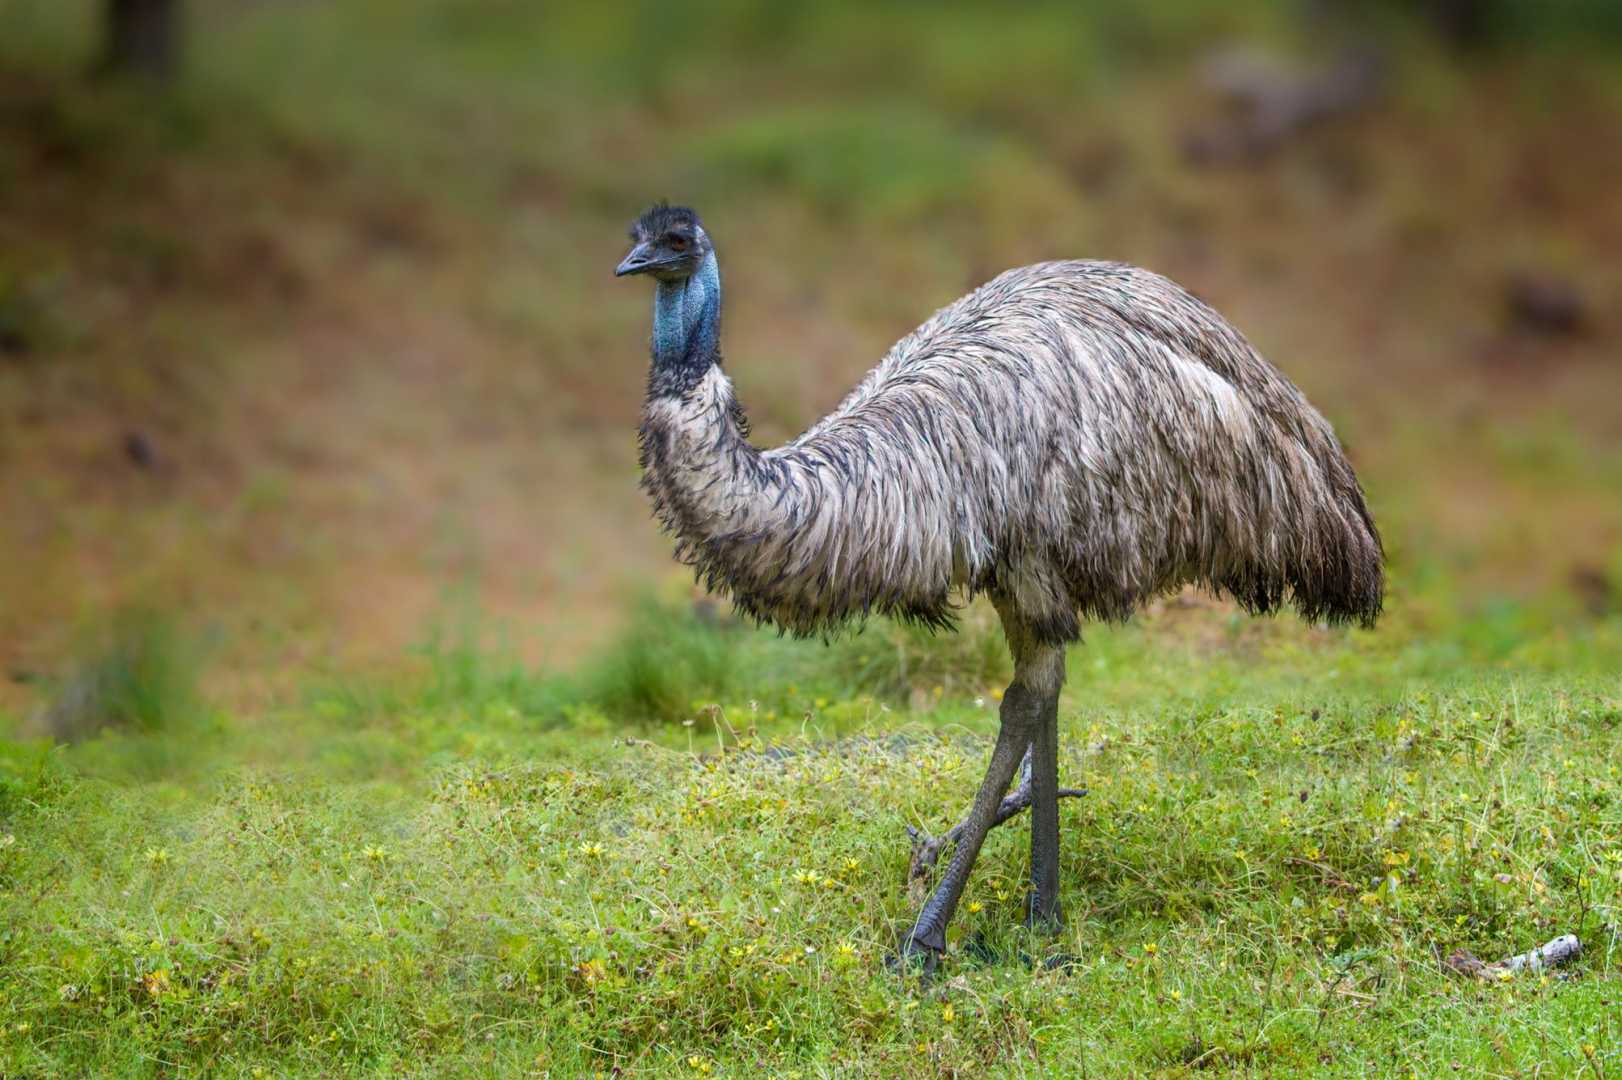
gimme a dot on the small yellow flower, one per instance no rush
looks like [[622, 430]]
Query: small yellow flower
[[375, 853], [947, 1015], [157, 856], [156, 982], [1177, 995], [847, 950], [1150, 947], [975, 907], [591, 850]]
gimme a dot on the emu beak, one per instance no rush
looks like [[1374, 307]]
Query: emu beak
[[638, 261]]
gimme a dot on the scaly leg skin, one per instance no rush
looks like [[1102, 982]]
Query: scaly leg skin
[[926, 849], [1043, 912], [927, 940]]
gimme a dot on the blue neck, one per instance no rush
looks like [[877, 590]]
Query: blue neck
[[686, 327]]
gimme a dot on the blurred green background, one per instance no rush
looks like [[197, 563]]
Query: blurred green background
[[310, 355]]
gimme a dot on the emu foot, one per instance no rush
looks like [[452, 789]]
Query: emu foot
[[985, 954], [1061, 961], [922, 953]]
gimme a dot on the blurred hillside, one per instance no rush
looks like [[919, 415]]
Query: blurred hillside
[[319, 343]]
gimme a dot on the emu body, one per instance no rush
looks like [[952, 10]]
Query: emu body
[[1071, 439]]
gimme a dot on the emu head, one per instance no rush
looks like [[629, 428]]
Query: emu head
[[667, 242]]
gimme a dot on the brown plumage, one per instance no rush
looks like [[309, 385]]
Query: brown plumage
[[1071, 439]]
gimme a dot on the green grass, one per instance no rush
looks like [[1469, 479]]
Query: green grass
[[493, 871]]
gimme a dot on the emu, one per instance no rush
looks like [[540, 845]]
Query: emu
[[1072, 439]]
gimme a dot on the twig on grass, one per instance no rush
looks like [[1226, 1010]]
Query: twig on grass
[[1561, 950]]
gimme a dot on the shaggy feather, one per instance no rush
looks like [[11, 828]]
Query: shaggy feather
[[1072, 438]]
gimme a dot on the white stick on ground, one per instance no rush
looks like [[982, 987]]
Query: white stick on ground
[[1561, 950], [1564, 948]]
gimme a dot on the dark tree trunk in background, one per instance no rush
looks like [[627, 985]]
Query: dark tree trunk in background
[[143, 36], [1464, 23]]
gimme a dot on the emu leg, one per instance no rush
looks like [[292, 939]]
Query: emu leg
[[1043, 912], [928, 936], [926, 849]]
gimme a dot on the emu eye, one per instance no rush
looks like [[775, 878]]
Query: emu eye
[[677, 243]]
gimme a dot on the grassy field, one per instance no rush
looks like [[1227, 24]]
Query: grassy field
[[335, 741], [483, 872]]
